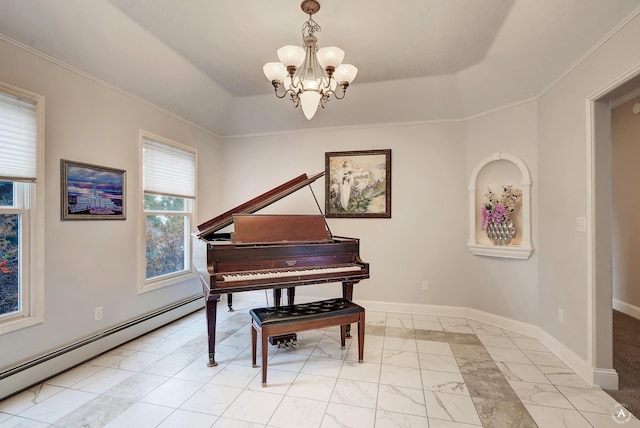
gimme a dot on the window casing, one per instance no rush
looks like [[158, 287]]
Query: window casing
[[168, 205], [21, 215]]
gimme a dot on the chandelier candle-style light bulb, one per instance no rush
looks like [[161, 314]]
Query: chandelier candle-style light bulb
[[310, 76]]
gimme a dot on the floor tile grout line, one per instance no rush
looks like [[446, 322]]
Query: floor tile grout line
[[344, 360], [503, 377]]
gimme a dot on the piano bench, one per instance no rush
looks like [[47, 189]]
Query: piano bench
[[273, 321]]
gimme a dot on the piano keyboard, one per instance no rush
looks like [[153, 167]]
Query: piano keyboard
[[251, 276]]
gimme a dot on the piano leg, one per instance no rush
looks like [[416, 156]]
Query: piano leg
[[291, 295], [347, 293], [230, 301], [211, 308], [347, 290], [277, 296]]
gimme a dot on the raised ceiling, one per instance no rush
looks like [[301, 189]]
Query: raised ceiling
[[418, 59]]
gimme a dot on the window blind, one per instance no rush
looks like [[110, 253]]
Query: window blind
[[18, 138], [168, 170]]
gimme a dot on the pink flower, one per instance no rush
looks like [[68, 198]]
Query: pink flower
[[4, 269], [499, 214], [486, 215], [498, 210]]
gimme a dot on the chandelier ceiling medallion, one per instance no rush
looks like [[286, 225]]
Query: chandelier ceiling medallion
[[310, 76]]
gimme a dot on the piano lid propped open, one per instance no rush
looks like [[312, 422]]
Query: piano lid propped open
[[225, 219]]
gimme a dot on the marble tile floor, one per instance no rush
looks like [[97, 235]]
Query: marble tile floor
[[419, 371]]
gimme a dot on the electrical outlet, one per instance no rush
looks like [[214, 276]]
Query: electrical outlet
[[98, 313], [560, 316], [425, 285], [581, 224]]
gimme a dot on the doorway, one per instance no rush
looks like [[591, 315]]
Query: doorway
[[599, 235], [625, 230]]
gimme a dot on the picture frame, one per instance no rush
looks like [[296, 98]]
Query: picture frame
[[358, 184], [92, 192]]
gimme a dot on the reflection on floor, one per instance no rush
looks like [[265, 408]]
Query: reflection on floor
[[418, 371]]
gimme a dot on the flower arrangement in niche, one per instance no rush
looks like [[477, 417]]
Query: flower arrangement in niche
[[498, 210], [496, 214]]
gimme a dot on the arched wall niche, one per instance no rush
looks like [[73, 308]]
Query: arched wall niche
[[495, 171]]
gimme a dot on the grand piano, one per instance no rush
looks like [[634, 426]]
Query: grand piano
[[271, 252]]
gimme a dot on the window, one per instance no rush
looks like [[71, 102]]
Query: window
[[169, 190], [21, 243]]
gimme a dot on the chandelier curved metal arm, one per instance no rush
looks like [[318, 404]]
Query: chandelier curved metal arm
[[310, 76]]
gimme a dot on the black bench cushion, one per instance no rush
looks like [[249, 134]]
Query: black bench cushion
[[303, 311]]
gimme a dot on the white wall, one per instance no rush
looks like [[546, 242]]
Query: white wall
[[506, 287], [626, 204], [94, 263], [564, 148], [425, 239]]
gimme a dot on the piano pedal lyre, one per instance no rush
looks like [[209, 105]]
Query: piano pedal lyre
[[290, 343], [284, 341]]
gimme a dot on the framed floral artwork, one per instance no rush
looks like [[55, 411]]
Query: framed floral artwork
[[358, 184], [92, 192]]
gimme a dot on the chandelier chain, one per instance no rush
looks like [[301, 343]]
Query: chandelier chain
[[310, 27]]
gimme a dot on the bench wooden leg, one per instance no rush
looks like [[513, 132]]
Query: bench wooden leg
[[254, 339], [361, 338], [264, 337]]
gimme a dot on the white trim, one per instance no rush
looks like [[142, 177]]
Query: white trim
[[590, 141], [590, 52], [34, 275], [145, 285], [591, 274], [383, 125], [525, 248], [604, 378], [535, 98], [104, 83], [626, 308], [626, 97], [595, 377], [30, 373], [506, 251]]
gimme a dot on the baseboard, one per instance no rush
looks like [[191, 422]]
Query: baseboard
[[35, 371], [596, 377], [605, 378], [626, 308], [411, 308]]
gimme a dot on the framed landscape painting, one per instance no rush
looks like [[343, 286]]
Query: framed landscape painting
[[92, 192], [358, 184]]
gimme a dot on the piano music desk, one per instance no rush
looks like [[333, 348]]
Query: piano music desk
[[273, 321]]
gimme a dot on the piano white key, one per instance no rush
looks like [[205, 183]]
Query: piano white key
[[287, 273]]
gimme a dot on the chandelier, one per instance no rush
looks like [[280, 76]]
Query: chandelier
[[308, 75]]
